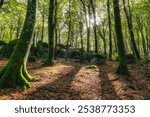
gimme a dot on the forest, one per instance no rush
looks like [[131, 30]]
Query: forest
[[74, 50]]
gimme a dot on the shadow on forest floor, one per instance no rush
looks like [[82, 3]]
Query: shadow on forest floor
[[58, 89], [68, 80], [107, 89]]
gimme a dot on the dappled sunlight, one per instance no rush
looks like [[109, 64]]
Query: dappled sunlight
[[71, 80]]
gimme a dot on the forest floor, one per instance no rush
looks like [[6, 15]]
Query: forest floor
[[72, 80]]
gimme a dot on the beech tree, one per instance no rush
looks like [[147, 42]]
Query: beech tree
[[122, 68], [110, 32], [15, 72], [50, 58]]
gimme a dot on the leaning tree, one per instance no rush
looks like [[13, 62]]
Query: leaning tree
[[15, 72]]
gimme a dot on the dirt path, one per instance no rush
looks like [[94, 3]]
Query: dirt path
[[70, 80]]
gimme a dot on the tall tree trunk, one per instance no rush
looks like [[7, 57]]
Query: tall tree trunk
[[130, 27], [56, 32], [104, 39], [15, 72], [89, 30], [138, 40], [43, 23], [109, 26], [87, 27], [147, 40], [94, 26], [50, 58], [59, 40], [69, 24], [81, 35], [115, 42], [142, 34], [122, 68]]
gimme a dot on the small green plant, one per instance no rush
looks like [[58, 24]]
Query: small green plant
[[91, 67]]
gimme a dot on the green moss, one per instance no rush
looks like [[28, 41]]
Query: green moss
[[7, 50], [91, 67], [19, 77]]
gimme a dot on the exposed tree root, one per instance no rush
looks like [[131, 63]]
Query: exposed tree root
[[12, 77], [122, 70]]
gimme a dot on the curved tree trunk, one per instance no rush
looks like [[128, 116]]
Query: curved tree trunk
[[15, 73], [122, 68]]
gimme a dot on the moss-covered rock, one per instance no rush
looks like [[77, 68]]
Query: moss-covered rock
[[7, 49], [68, 52], [32, 59], [40, 51], [92, 58]]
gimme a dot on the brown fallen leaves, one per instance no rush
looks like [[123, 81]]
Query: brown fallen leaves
[[71, 80]]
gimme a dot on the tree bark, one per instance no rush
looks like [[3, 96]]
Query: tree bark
[[15, 73], [94, 26], [142, 34], [81, 36], [122, 68], [87, 24], [56, 32], [51, 26], [109, 27], [43, 23], [69, 25]]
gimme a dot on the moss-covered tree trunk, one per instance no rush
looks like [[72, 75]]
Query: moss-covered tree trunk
[[15, 73], [122, 68], [50, 58]]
